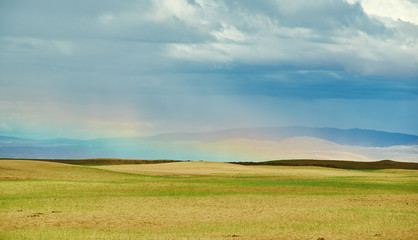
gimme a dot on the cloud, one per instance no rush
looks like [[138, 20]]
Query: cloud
[[206, 64], [320, 33], [396, 10], [324, 34]]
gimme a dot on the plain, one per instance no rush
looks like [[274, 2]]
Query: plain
[[203, 200]]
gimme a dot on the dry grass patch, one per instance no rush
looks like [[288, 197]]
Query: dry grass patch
[[220, 217], [413, 171], [228, 169]]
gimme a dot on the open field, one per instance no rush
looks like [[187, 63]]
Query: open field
[[201, 200]]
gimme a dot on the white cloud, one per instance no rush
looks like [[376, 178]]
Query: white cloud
[[229, 33], [404, 10], [201, 52], [198, 14]]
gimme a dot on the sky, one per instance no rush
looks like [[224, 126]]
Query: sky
[[101, 68]]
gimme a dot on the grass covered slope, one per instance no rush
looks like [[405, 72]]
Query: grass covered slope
[[49, 171], [198, 200]]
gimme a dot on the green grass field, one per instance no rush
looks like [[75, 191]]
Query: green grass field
[[200, 200]]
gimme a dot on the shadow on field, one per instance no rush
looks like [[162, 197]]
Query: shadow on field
[[384, 164]]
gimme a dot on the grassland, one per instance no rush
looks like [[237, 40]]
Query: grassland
[[200, 200]]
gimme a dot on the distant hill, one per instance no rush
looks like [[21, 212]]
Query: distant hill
[[7, 138], [100, 161], [384, 164], [352, 137], [240, 144]]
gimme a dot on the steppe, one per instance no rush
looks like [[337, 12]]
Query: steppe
[[204, 200]]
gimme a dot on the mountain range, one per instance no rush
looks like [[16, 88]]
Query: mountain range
[[240, 144], [354, 137]]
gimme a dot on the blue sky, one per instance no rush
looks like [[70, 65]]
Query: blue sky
[[91, 69]]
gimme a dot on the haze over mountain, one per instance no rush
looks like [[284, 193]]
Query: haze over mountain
[[249, 144], [356, 137]]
